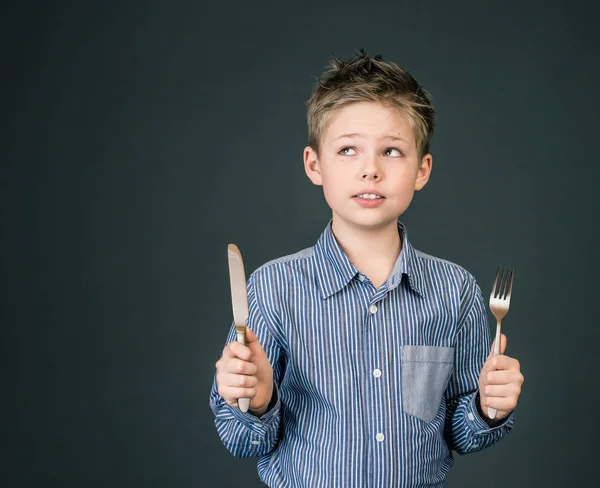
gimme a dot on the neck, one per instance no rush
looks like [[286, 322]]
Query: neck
[[372, 251]]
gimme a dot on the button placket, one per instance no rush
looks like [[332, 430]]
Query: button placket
[[374, 330]]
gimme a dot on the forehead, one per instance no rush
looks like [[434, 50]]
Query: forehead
[[369, 119]]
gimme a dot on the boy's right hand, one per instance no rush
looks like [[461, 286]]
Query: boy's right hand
[[245, 372]]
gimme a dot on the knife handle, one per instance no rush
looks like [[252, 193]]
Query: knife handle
[[243, 403]]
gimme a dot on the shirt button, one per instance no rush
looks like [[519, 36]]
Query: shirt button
[[361, 277], [380, 437], [471, 416], [475, 446], [255, 443], [373, 309], [377, 373]]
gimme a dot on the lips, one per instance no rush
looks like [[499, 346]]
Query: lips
[[369, 199], [369, 195]]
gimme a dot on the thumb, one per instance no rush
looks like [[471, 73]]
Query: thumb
[[252, 343], [488, 366], [502, 345]]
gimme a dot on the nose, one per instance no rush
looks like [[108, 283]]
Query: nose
[[373, 175], [371, 171]]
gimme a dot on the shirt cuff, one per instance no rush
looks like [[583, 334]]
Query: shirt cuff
[[479, 425], [259, 425]]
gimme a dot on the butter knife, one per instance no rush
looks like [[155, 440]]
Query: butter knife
[[239, 300]]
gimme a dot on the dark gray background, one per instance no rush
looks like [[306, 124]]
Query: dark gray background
[[139, 138]]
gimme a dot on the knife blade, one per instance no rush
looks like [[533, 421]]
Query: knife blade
[[239, 301]]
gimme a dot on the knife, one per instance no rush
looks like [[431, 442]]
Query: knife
[[239, 300]]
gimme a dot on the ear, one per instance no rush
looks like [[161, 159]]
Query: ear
[[311, 166], [423, 172]]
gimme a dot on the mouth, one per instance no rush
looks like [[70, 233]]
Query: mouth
[[369, 199], [369, 196]]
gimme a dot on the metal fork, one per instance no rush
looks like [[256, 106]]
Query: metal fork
[[499, 303]]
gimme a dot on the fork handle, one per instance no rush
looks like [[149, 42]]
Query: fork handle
[[492, 411]]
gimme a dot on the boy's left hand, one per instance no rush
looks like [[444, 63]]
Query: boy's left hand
[[500, 383]]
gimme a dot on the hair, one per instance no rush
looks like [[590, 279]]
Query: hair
[[366, 79]]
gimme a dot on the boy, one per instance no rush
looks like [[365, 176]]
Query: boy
[[367, 361]]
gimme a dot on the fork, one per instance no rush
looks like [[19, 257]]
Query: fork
[[499, 303]]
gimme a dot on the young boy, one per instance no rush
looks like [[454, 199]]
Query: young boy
[[367, 361]]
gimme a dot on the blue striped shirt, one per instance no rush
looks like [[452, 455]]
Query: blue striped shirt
[[374, 387]]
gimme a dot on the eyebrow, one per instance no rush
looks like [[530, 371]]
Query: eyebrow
[[356, 134]]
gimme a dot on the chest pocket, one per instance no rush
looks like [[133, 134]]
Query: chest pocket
[[425, 374]]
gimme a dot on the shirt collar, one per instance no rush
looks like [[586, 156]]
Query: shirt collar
[[335, 271]]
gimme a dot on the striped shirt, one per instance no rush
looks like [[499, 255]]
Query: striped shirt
[[373, 387]]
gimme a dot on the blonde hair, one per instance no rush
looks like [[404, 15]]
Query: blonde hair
[[365, 79]]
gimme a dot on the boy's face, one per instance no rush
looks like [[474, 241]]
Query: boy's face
[[368, 149]]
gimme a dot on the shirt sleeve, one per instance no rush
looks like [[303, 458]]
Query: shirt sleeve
[[465, 431], [243, 434]]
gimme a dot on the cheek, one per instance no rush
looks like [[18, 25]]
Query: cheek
[[330, 192], [334, 189], [403, 196]]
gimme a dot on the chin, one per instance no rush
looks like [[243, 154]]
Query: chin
[[374, 223]]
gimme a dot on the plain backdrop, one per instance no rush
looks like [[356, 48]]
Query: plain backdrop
[[140, 138]]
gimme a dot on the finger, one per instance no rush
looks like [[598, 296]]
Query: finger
[[232, 394], [504, 363], [500, 403], [236, 380], [253, 343], [503, 378], [502, 345], [490, 363], [237, 350], [250, 336], [502, 391], [237, 366]]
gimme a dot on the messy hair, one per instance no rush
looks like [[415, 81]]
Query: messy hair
[[366, 79]]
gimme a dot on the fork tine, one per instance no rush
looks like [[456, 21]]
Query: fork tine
[[512, 275], [507, 283], [501, 282], [495, 282], [504, 287]]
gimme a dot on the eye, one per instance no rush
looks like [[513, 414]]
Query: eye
[[393, 152], [347, 151]]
